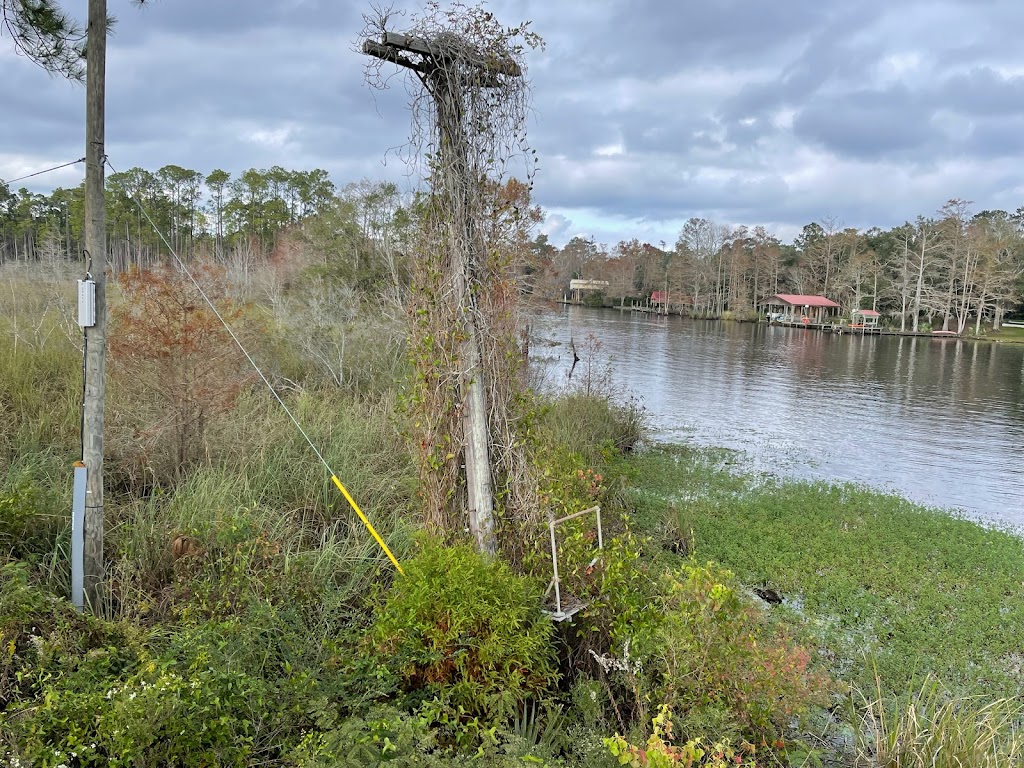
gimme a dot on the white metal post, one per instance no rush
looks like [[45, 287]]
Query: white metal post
[[554, 565], [78, 537]]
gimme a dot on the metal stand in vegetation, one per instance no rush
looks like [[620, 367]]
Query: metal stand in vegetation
[[567, 606], [467, 67]]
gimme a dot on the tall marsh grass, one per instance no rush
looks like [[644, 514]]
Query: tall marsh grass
[[932, 728], [40, 394], [257, 471], [273, 482]]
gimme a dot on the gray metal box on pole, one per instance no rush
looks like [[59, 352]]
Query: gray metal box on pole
[[86, 303]]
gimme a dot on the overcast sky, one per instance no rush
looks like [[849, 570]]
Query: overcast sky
[[646, 112]]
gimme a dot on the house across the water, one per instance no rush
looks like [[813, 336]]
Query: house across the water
[[579, 286], [800, 308]]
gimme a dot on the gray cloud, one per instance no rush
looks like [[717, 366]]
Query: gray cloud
[[645, 112]]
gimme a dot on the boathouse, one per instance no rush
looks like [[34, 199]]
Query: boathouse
[[864, 319], [800, 308]]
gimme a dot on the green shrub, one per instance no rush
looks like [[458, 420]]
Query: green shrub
[[724, 667], [81, 691], [390, 736], [55, 665], [186, 706], [468, 631], [700, 649], [30, 520]]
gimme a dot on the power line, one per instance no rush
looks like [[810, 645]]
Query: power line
[[40, 173], [287, 410]]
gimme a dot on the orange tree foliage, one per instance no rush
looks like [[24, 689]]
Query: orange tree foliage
[[175, 362]]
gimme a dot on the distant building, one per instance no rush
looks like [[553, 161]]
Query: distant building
[[864, 318], [795, 307], [578, 287]]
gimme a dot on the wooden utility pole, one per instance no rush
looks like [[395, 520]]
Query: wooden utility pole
[[442, 65], [95, 336]]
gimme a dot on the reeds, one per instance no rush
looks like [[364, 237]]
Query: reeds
[[931, 728]]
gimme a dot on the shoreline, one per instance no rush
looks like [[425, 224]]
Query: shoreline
[[823, 328], [933, 422]]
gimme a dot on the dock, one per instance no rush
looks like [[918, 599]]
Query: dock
[[839, 328]]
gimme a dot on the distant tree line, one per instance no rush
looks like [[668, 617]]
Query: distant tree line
[[354, 237], [952, 270], [192, 209]]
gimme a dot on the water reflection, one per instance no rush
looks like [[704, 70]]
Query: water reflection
[[938, 420]]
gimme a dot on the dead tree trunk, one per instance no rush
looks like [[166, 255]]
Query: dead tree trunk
[[465, 252]]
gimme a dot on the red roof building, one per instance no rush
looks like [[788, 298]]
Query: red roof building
[[800, 300], [795, 307], [864, 318]]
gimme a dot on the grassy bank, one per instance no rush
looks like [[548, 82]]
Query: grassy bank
[[870, 578], [1007, 335], [251, 621]]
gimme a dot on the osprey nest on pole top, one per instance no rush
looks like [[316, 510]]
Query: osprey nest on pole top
[[468, 101], [442, 56]]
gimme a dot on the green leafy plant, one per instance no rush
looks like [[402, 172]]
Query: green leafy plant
[[692, 642], [662, 750], [722, 660], [468, 631], [29, 520]]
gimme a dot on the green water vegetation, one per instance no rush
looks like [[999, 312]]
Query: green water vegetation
[[865, 573], [251, 621]]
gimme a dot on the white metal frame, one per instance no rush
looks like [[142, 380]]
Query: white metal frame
[[558, 614]]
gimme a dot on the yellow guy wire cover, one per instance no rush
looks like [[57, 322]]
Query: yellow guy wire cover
[[369, 526]]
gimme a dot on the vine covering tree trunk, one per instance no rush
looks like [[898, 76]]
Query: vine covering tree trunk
[[468, 102]]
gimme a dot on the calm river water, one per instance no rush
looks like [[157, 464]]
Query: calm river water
[[940, 421]]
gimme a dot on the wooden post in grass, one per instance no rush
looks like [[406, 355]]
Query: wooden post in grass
[[447, 66], [95, 335]]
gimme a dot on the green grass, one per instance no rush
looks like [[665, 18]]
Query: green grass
[[863, 572], [1011, 335]]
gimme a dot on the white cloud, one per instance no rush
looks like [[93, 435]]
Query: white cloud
[[276, 138]]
